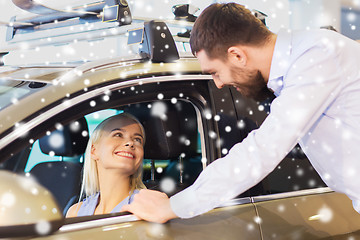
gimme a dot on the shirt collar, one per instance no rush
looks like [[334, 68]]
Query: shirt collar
[[280, 61]]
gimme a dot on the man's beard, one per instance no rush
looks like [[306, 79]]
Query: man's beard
[[254, 87]]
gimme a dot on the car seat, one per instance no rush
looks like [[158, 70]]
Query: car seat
[[171, 135], [63, 178]]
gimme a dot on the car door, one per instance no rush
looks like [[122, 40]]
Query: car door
[[236, 219], [294, 202], [308, 214]]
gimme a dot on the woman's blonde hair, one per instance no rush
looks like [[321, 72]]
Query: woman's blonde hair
[[90, 180]]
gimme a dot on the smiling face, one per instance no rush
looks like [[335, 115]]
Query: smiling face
[[121, 146], [249, 82]]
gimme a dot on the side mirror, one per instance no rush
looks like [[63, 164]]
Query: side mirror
[[26, 208]]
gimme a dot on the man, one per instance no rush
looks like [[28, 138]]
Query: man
[[315, 76]]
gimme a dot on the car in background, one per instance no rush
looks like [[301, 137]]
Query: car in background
[[48, 111]]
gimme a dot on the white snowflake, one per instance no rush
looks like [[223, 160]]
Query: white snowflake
[[160, 96], [68, 50], [228, 129], [92, 103], [156, 230], [56, 140], [75, 126], [212, 134], [59, 126], [207, 114], [224, 151], [167, 185], [281, 208], [27, 210], [279, 4], [324, 215], [173, 100], [106, 98], [300, 172], [257, 219], [241, 124], [312, 183], [250, 227], [351, 17], [43, 227], [159, 109], [8, 199], [34, 191]]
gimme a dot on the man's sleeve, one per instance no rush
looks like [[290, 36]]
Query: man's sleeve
[[312, 83]]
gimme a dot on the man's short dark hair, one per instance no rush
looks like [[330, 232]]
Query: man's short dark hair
[[221, 26]]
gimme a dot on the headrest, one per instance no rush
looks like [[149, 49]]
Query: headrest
[[66, 141], [170, 129]]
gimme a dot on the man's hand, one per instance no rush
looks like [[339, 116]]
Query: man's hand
[[151, 206]]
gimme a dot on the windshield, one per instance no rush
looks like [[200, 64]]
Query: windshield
[[11, 91]]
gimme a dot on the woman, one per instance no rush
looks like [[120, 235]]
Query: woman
[[112, 167]]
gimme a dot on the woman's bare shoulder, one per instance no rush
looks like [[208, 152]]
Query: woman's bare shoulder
[[73, 210]]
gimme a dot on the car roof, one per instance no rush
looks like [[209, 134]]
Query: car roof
[[36, 87], [63, 83]]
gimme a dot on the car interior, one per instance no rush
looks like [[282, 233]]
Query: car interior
[[67, 141], [172, 151]]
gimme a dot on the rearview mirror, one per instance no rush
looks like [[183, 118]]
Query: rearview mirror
[[26, 208]]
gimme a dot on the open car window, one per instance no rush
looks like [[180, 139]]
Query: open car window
[[294, 172], [173, 153]]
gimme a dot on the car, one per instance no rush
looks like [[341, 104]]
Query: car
[[48, 111]]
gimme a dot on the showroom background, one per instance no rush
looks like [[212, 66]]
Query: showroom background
[[344, 15]]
